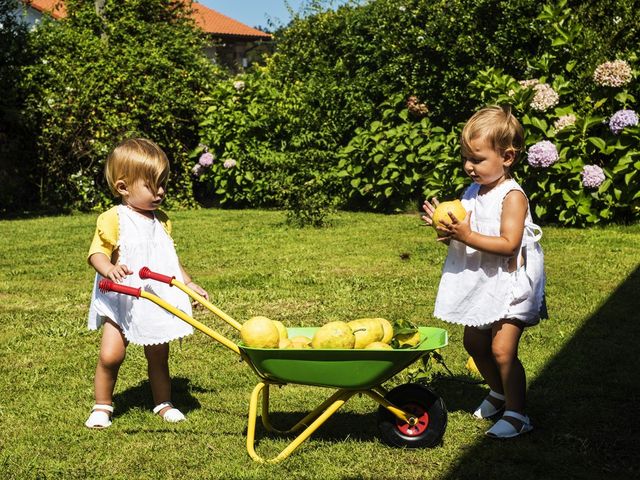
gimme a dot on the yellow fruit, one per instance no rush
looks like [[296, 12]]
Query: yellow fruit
[[378, 346], [260, 332], [333, 335], [284, 343], [408, 339], [387, 329], [441, 214], [471, 366], [282, 330], [298, 345], [366, 330], [301, 339]]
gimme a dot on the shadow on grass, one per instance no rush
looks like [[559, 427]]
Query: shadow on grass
[[140, 396], [584, 405], [339, 427]]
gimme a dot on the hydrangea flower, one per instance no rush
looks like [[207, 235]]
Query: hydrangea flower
[[229, 163], [197, 170], [544, 98], [622, 119], [206, 159], [612, 74], [529, 83], [592, 176], [238, 85], [542, 154], [416, 107], [564, 122]]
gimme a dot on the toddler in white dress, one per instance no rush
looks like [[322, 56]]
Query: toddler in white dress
[[493, 278], [128, 237]]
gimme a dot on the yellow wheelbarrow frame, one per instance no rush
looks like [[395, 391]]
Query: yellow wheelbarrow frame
[[402, 423]]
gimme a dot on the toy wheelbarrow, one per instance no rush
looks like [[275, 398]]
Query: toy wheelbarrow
[[410, 415]]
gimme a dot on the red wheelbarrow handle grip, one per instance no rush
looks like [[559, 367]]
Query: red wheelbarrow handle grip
[[106, 285], [146, 273]]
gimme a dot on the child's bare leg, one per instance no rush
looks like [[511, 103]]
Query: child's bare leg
[[113, 348], [158, 369], [505, 351], [477, 342]]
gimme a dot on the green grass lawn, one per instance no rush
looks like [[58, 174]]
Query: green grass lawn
[[582, 363]]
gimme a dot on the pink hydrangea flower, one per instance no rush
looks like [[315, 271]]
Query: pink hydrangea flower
[[613, 74], [544, 98], [229, 163], [592, 176], [564, 122], [542, 154], [206, 159]]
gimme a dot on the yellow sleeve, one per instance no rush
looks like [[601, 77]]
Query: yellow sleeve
[[105, 240], [163, 218]]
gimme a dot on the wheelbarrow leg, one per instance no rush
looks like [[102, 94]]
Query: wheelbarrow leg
[[266, 422], [339, 399]]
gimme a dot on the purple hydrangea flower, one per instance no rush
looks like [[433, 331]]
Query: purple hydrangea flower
[[542, 154], [592, 176], [206, 159], [230, 163], [622, 119]]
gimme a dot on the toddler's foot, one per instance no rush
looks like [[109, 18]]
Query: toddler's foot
[[100, 416], [510, 425], [490, 406], [167, 411]]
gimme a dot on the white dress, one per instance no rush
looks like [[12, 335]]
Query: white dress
[[476, 288], [143, 242]]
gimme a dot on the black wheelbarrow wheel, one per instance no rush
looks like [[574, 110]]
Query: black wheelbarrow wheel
[[427, 407]]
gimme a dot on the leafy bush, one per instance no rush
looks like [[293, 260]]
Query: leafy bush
[[592, 177], [136, 69]]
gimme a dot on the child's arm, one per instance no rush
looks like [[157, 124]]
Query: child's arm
[[514, 212], [104, 267], [193, 285]]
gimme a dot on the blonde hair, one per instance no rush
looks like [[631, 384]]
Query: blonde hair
[[498, 126], [137, 159]]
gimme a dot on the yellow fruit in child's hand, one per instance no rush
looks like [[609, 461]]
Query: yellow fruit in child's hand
[[471, 366], [378, 346], [260, 332], [333, 335], [441, 214], [282, 330], [408, 339]]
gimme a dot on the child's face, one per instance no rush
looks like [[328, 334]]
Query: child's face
[[485, 165], [142, 197]]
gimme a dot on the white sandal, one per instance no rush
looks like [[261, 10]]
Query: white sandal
[[486, 408], [100, 416], [172, 415], [505, 429]]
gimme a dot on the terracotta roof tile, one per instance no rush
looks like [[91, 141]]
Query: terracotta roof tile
[[54, 7], [216, 23], [207, 19]]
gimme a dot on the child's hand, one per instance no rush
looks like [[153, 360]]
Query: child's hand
[[457, 230], [429, 208], [118, 273], [199, 290]]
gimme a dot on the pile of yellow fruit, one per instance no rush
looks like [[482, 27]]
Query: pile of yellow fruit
[[363, 333]]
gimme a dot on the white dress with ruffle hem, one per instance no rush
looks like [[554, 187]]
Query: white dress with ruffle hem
[[476, 288], [143, 242]]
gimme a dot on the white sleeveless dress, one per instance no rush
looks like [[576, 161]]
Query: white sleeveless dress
[[143, 242], [476, 288]]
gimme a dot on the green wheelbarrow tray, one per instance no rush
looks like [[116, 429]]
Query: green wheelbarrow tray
[[339, 368]]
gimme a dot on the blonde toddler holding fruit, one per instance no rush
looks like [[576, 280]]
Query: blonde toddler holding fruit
[[493, 278], [129, 236]]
